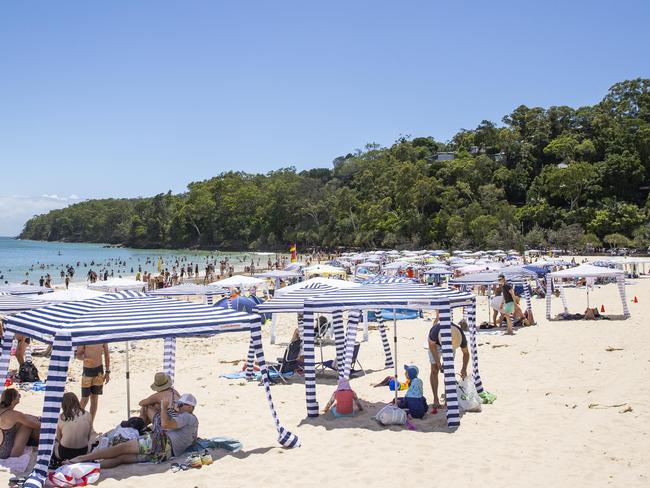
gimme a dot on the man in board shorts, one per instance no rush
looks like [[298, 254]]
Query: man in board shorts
[[94, 356]]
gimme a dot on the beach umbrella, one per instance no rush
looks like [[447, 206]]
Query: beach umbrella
[[324, 270], [70, 295], [114, 285]]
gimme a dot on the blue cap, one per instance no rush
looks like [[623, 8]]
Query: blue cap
[[412, 370]]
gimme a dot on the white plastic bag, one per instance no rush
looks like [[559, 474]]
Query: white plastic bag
[[391, 415], [78, 474], [468, 398]]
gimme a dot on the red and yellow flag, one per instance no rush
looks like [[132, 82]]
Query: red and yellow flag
[[294, 253]]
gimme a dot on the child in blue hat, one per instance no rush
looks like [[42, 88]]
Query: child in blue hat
[[414, 400]]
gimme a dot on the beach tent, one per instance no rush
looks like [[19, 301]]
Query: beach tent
[[70, 295], [393, 296], [585, 271], [10, 304], [282, 274], [290, 299], [240, 281], [118, 284], [189, 289], [324, 270], [20, 289], [124, 316]]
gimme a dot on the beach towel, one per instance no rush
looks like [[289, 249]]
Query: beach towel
[[17, 465], [227, 443], [256, 376]]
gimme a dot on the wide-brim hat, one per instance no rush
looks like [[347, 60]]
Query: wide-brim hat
[[162, 381]]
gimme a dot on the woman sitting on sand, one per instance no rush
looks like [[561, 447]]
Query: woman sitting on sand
[[343, 399], [73, 430], [16, 428], [163, 386]]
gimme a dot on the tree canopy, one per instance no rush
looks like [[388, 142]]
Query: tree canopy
[[558, 176]]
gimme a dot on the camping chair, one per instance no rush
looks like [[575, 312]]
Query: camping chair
[[287, 363], [322, 329], [331, 364]]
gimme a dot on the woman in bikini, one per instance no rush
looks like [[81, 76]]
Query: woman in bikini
[[16, 428], [73, 430]]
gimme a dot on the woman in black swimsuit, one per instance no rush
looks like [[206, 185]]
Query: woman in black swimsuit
[[16, 428]]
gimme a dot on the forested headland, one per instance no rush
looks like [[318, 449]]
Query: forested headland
[[558, 176]]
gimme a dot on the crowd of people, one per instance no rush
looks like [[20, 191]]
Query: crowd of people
[[166, 426]]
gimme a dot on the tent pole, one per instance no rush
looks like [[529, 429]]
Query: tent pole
[[395, 350], [128, 383]]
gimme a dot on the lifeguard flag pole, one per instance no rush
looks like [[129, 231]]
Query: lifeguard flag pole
[[294, 253]]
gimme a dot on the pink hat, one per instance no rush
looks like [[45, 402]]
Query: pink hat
[[343, 385]]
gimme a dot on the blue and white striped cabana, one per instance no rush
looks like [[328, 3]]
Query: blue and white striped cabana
[[20, 289], [10, 304], [373, 297], [124, 316], [189, 289]]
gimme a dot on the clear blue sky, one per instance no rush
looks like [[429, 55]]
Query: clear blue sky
[[128, 98]]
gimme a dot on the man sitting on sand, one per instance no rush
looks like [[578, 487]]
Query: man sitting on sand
[[163, 386], [176, 434], [94, 376], [458, 339]]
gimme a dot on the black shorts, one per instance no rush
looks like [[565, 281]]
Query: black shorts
[[92, 381]]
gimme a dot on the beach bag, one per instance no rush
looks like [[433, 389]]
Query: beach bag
[[78, 474], [391, 415], [28, 373], [468, 398]]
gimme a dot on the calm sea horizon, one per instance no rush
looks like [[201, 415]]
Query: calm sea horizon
[[26, 259]]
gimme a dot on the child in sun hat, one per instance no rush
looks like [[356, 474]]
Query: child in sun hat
[[343, 399], [414, 400]]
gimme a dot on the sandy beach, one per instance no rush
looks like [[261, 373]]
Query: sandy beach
[[561, 417]]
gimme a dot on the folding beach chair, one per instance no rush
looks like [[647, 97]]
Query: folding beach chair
[[331, 364], [287, 363]]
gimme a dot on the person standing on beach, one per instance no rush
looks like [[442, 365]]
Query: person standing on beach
[[508, 304], [67, 282], [94, 376]]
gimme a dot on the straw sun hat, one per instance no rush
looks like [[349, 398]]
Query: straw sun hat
[[161, 382]]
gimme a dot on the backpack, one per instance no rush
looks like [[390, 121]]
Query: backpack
[[28, 373]]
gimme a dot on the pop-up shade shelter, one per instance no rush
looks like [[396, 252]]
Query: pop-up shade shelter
[[20, 289], [514, 274], [291, 299], [10, 304], [324, 270], [189, 289], [391, 296], [118, 284], [585, 271], [240, 281], [124, 316], [71, 295]]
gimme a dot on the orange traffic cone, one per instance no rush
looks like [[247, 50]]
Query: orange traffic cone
[[602, 309], [635, 300]]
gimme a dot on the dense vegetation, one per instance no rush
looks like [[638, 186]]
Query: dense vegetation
[[559, 176]]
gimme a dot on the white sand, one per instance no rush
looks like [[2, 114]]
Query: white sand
[[539, 432]]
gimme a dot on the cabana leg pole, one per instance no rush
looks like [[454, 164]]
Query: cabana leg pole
[[286, 438], [365, 326], [549, 293], [620, 281], [309, 366], [353, 322], [395, 349], [56, 378], [388, 357], [274, 325], [250, 361], [7, 343], [339, 338], [451, 395], [128, 383], [169, 357], [471, 324]]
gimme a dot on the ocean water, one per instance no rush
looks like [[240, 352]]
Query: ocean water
[[23, 259]]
